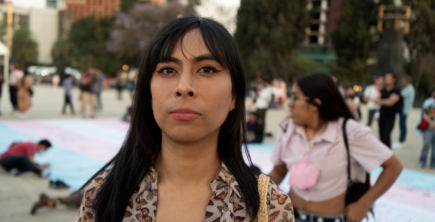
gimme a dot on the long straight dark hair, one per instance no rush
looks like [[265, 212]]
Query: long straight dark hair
[[133, 161], [322, 87]]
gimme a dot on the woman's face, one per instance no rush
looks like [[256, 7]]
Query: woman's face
[[302, 111], [379, 81], [191, 94]]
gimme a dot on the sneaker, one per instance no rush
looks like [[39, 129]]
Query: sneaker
[[398, 145], [14, 172]]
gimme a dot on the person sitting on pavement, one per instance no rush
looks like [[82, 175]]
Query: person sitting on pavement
[[19, 156]]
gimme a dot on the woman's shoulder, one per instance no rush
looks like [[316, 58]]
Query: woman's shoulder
[[279, 204], [95, 184]]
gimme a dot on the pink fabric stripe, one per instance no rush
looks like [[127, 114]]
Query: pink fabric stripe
[[88, 146], [403, 194], [112, 123]]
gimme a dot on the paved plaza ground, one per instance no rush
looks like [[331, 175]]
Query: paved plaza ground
[[18, 193]]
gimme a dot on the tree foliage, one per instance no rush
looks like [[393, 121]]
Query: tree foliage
[[268, 32], [420, 43], [355, 39], [86, 46], [24, 47], [133, 30]]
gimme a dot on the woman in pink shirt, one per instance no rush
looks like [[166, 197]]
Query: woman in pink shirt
[[311, 146]]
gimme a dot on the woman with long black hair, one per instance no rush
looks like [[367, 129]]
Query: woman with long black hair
[[328, 155], [182, 159]]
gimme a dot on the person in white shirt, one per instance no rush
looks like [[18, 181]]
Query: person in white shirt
[[371, 94], [15, 75], [408, 94], [264, 97], [353, 102]]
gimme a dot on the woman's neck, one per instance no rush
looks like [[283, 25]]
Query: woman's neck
[[315, 128], [187, 164]]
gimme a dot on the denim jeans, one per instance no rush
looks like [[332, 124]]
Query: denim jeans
[[402, 123], [21, 163], [428, 143]]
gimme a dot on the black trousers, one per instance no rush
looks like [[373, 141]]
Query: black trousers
[[370, 117], [13, 95], [261, 117], [21, 163], [386, 125], [68, 102]]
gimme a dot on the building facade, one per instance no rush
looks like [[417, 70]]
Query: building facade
[[98, 8], [324, 15], [45, 25]]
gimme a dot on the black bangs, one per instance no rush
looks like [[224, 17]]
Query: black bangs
[[214, 35]]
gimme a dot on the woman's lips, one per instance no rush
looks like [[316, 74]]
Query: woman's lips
[[184, 114]]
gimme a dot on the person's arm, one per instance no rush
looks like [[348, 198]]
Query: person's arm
[[278, 173], [367, 93], [390, 101], [370, 153], [358, 210]]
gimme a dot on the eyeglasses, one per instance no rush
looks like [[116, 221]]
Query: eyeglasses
[[294, 98]]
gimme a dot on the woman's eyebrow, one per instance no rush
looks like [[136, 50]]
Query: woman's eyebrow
[[204, 57]]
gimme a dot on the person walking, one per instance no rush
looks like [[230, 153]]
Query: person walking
[[67, 87], [20, 156], [120, 82], [428, 131], [24, 95], [264, 98], [88, 96], [353, 102], [2, 80], [391, 103], [408, 95], [55, 80], [99, 86], [15, 75], [326, 150], [371, 94]]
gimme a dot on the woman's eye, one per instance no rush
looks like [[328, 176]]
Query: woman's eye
[[166, 70], [208, 69]]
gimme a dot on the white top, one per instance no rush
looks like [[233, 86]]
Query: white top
[[264, 98], [408, 94], [372, 94], [328, 153], [353, 101], [15, 76]]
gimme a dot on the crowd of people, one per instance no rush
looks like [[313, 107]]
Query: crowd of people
[[91, 84], [183, 153]]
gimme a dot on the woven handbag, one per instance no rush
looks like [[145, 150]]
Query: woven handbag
[[263, 185]]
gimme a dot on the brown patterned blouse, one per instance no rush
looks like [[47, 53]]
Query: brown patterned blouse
[[226, 204]]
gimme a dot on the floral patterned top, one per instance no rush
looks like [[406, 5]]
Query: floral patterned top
[[226, 204]]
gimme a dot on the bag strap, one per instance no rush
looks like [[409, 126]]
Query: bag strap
[[263, 185], [346, 143]]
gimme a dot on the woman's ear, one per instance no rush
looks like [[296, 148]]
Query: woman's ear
[[233, 103], [318, 102]]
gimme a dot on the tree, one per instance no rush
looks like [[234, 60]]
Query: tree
[[420, 43], [126, 5], [134, 30], [86, 46], [354, 39], [24, 47], [268, 32]]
